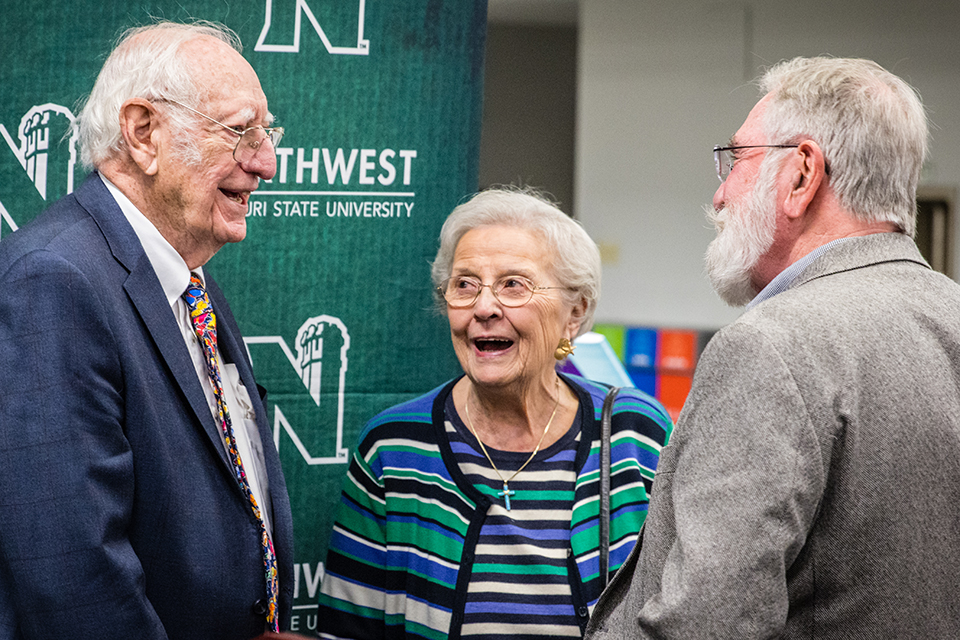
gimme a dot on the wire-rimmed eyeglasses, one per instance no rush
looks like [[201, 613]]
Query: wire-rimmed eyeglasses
[[250, 140], [510, 291], [724, 158]]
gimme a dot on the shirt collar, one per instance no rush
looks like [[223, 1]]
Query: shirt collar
[[171, 270], [788, 276]]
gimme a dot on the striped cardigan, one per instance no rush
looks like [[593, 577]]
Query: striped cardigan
[[409, 521]]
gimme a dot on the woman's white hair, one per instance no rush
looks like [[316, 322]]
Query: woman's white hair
[[146, 63], [869, 123], [576, 257]]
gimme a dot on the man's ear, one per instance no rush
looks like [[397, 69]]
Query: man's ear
[[139, 127], [807, 170]]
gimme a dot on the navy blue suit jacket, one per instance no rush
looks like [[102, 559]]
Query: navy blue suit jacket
[[119, 514]]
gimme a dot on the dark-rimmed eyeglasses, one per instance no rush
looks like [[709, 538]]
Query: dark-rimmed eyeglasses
[[250, 140], [724, 158], [510, 291]]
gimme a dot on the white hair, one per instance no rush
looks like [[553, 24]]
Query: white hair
[[869, 123], [576, 257], [148, 63]]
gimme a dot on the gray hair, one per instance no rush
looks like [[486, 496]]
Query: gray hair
[[576, 257], [869, 123], [146, 63]]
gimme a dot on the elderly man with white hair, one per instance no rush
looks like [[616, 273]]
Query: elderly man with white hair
[[142, 494], [812, 486]]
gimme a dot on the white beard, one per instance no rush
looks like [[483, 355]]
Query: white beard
[[745, 232]]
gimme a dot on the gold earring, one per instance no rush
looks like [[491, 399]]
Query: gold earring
[[563, 349]]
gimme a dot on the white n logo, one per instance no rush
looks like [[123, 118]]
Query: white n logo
[[300, 8], [321, 364], [48, 165], [37, 152]]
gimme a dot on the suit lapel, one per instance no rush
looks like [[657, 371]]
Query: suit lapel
[[144, 290], [233, 350]]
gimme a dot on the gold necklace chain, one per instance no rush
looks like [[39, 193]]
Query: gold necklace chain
[[506, 493]]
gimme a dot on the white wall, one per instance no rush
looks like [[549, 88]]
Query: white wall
[[661, 82]]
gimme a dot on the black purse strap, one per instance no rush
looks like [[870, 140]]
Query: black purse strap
[[606, 418]]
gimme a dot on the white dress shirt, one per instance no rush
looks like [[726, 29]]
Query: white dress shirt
[[174, 278]]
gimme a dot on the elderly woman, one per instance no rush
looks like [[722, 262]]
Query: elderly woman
[[473, 510]]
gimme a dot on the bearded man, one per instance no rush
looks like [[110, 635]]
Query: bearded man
[[812, 485], [142, 496]]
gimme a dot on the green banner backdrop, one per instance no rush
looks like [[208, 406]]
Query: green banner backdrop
[[381, 103]]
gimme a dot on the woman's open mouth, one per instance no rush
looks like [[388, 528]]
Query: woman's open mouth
[[492, 344]]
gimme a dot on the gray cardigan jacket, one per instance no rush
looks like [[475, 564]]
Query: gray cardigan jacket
[[812, 486]]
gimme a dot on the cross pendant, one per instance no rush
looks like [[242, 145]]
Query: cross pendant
[[506, 493]]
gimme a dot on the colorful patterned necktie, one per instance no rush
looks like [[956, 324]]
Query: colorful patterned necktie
[[205, 324]]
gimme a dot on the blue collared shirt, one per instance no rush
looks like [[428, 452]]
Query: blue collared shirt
[[787, 277]]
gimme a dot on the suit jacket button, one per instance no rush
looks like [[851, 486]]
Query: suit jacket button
[[260, 607]]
